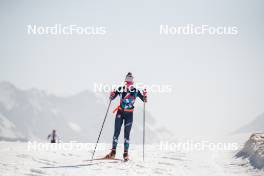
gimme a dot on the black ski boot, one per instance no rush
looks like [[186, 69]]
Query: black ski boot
[[111, 155], [125, 156]]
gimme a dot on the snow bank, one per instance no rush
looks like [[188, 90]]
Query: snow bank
[[253, 150]]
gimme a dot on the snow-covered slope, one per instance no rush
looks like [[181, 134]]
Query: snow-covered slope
[[35, 113], [8, 130], [21, 161], [253, 150]]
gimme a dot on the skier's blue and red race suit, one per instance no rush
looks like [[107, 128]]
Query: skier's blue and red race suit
[[125, 113]]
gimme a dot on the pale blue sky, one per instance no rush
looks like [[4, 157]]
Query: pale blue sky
[[217, 80]]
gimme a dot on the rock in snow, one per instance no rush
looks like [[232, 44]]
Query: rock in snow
[[253, 150]]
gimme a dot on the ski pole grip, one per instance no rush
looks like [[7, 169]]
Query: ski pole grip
[[112, 94]]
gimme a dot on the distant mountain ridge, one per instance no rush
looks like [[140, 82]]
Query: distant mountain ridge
[[256, 126], [33, 113], [8, 131]]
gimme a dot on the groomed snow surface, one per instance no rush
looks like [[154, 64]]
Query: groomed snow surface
[[16, 159]]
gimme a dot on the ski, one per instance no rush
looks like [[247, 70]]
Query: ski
[[110, 159], [107, 159], [73, 166], [114, 160]]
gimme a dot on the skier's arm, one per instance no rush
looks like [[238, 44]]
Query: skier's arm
[[142, 97], [48, 137], [115, 93]]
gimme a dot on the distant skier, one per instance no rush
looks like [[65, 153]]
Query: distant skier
[[53, 136], [128, 95]]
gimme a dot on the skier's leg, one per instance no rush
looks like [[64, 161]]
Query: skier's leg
[[128, 125], [118, 125]]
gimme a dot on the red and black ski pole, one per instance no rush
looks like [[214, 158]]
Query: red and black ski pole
[[101, 128]]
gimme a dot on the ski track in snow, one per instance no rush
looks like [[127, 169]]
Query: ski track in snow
[[17, 160]]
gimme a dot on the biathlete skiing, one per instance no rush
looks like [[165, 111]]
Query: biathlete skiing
[[124, 113]]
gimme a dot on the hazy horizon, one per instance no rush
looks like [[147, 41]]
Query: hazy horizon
[[217, 81]]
